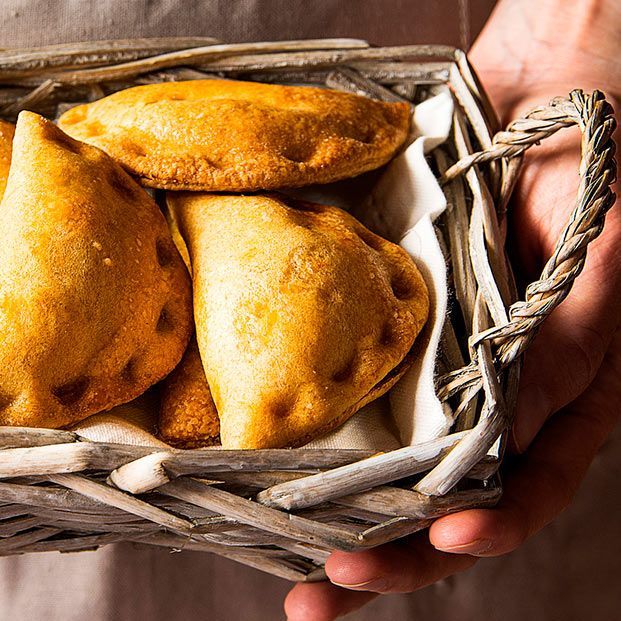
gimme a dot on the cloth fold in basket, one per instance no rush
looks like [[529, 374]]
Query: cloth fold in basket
[[402, 206]]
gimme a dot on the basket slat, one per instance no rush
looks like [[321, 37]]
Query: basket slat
[[360, 475], [254, 514], [29, 61]]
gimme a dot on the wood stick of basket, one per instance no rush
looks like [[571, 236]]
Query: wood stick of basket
[[157, 469]]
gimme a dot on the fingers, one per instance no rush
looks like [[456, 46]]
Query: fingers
[[535, 494], [394, 568], [537, 488], [322, 601], [357, 577], [543, 482]]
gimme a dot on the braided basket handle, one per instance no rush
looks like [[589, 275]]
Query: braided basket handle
[[598, 170]]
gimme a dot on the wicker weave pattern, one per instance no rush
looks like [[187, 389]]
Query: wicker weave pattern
[[282, 511]]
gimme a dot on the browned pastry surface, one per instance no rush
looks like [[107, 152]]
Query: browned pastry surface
[[188, 416], [227, 135], [95, 302], [7, 130], [302, 314]]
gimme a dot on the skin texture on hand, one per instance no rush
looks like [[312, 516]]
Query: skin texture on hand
[[566, 355], [529, 52]]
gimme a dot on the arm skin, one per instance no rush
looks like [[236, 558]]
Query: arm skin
[[529, 51]]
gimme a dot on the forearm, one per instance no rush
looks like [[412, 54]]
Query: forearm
[[530, 47]]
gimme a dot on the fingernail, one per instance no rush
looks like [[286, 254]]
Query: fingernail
[[363, 586], [475, 547], [533, 409]]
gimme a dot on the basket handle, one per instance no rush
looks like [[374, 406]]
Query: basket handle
[[598, 171]]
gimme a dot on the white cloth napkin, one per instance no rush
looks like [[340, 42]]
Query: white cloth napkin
[[402, 206]]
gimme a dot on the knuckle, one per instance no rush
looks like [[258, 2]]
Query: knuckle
[[390, 584], [585, 349], [519, 528]]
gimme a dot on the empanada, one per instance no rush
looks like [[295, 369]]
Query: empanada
[[188, 416], [228, 135], [302, 315], [7, 130], [95, 302]]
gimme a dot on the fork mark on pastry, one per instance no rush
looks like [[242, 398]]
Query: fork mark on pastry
[[281, 408], [388, 334], [345, 372], [164, 321], [72, 391], [164, 252], [5, 400], [128, 372], [402, 286]]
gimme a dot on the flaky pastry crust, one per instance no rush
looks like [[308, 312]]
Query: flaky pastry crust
[[227, 135], [302, 314], [95, 302], [188, 416]]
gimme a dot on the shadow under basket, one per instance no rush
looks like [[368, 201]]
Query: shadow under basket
[[283, 511]]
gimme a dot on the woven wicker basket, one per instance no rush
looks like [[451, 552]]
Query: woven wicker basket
[[283, 511]]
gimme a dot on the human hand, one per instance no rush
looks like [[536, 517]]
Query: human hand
[[572, 369], [537, 486]]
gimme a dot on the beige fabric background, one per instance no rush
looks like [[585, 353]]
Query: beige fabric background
[[569, 572], [39, 22]]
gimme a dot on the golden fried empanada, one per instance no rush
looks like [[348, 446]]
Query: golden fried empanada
[[95, 302], [228, 135], [7, 130], [302, 315], [188, 416]]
